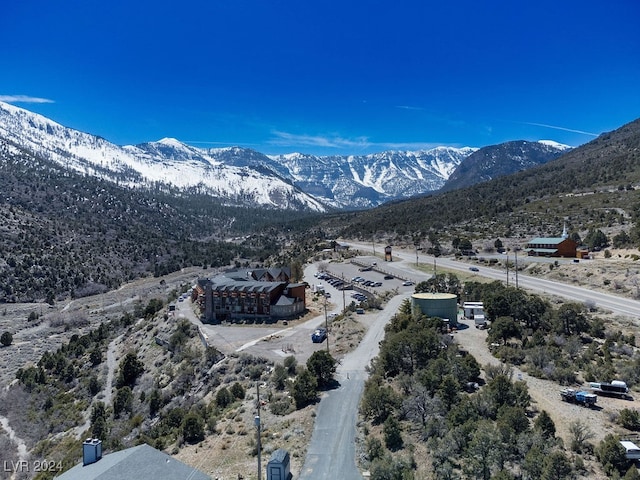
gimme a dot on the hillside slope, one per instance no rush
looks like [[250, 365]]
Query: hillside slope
[[67, 234], [499, 160]]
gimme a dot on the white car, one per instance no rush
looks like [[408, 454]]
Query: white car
[[407, 283]]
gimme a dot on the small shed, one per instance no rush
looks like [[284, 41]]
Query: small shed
[[279, 466]]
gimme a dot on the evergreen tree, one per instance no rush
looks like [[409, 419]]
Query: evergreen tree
[[304, 388], [323, 366], [6, 339], [193, 428]]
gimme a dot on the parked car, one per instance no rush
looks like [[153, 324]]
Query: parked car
[[389, 277], [319, 335], [407, 283]]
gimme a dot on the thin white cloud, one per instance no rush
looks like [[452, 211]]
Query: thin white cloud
[[329, 141], [291, 140], [409, 107], [408, 145], [561, 128], [23, 99]]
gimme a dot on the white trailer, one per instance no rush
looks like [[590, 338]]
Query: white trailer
[[632, 451]]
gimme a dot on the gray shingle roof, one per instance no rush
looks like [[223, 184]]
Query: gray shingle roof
[[140, 463], [546, 241]]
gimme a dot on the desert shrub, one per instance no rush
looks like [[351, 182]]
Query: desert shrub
[[279, 377], [629, 419], [224, 398], [281, 406], [511, 355], [237, 391], [6, 339], [564, 376]]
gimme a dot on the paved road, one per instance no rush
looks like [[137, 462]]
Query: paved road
[[331, 453], [617, 305]]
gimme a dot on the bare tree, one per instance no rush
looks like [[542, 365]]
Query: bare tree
[[420, 405], [580, 433]]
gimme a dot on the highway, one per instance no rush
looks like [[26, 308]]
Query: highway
[[615, 304]]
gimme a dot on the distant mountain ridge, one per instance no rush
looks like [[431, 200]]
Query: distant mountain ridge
[[504, 159], [167, 162], [595, 185], [245, 177]]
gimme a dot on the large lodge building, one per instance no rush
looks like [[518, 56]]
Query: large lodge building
[[264, 294]]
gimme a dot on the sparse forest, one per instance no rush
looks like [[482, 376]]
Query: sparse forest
[[426, 395], [67, 235]]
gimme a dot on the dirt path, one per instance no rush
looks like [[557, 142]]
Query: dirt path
[[545, 394], [106, 393], [111, 368], [22, 446]]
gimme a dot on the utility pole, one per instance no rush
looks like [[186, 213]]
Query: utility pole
[[507, 265], [515, 250], [344, 302], [326, 323], [257, 423], [416, 245]]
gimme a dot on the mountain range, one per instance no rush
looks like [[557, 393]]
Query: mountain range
[[245, 177], [594, 186]]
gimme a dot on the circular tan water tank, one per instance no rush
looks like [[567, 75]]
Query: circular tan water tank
[[443, 305]]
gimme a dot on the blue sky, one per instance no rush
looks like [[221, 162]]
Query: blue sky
[[330, 77]]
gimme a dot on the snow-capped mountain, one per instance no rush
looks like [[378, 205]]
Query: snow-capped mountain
[[344, 181], [238, 175], [166, 162], [246, 177], [503, 159], [369, 180]]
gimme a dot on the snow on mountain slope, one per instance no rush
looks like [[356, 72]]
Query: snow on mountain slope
[[368, 180], [243, 176], [167, 161], [503, 159], [556, 145]]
